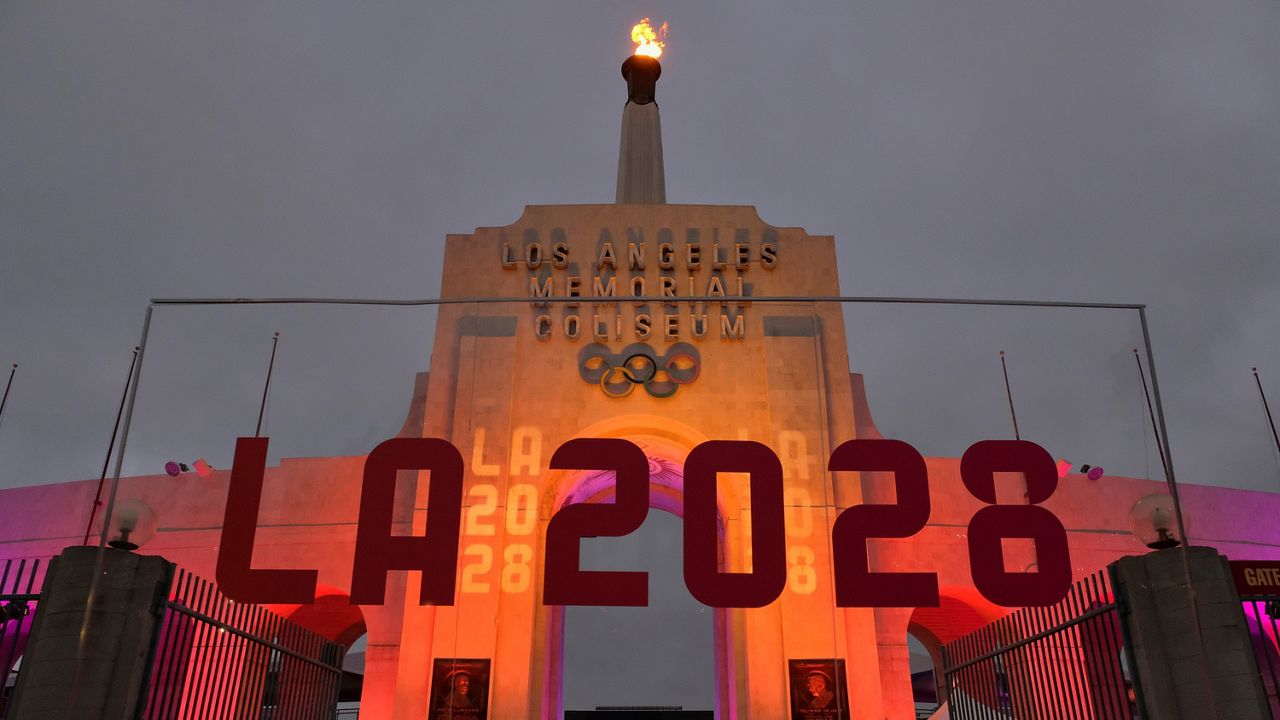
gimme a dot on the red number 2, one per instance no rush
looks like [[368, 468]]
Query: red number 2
[[856, 585], [564, 583]]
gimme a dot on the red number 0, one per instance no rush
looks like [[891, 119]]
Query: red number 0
[[992, 524], [768, 576], [856, 585]]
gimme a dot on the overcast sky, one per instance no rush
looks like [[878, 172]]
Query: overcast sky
[[1086, 150]]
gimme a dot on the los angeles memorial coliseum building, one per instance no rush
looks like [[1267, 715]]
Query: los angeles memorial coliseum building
[[508, 383]]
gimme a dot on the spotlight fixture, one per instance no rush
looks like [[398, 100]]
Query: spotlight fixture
[[1093, 472]]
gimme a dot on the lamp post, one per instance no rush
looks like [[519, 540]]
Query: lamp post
[[1153, 522]]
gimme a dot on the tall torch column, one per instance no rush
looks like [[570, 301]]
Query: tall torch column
[[641, 175]]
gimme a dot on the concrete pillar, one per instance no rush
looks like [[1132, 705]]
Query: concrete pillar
[[100, 677], [1180, 678]]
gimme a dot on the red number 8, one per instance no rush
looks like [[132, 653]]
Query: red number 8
[[992, 524]]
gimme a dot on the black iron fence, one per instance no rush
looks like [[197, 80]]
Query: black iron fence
[[18, 597], [1262, 612], [1062, 661], [215, 658]]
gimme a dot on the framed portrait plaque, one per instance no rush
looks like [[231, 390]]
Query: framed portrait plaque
[[459, 689], [818, 690]]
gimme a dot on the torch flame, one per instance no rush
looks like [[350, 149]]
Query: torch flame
[[649, 41]]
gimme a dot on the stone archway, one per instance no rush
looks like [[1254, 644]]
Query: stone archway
[[666, 443]]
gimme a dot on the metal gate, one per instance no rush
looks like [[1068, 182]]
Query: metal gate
[[215, 658], [1262, 612], [18, 598], [1063, 661]]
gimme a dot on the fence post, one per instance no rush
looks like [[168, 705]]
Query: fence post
[[1167, 658], [101, 675]]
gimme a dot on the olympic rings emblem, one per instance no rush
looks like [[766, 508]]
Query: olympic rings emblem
[[618, 374]]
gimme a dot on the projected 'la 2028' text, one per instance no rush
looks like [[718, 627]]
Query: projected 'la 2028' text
[[772, 567]]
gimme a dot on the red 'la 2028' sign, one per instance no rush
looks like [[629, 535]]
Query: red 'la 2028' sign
[[435, 554]]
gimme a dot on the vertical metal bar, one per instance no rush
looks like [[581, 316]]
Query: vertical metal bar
[[183, 671], [222, 638], [261, 669], [230, 643], [310, 686], [1046, 692], [1267, 407], [1115, 643], [217, 636], [969, 677], [313, 679], [1088, 652], [262, 409], [177, 629], [338, 654], [1274, 607], [202, 644], [240, 649], [158, 610], [243, 648], [124, 433], [1018, 666], [20, 621], [106, 462], [276, 663], [1164, 431], [299, 680], [289, 678], [1060, 673], [1270, 644], [194, 680], [173, 644], [5, 399], [1009, 393], [284, 673], [1096, 654], [1122, 612], [160, 667], [997, 664], [1058, 680]]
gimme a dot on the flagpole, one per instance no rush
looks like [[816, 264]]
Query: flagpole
[[271, 364], [1267, 408], [5, 400], [115, 429], [1009, 393], [1151, 412]]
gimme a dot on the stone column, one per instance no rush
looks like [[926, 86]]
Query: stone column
[[1180, 678], [101, 675], [641, 175]]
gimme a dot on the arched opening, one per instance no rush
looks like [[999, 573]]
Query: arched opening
[[960, 611], [352, 687], [925, 661], [663, 654], [333, 616], [667, 443]]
